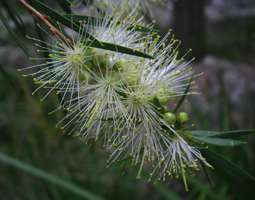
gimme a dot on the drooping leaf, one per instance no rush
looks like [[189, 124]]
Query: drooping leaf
[[206, 172], [12, 162], [226, 167]]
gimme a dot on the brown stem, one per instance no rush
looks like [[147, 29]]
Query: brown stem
[[45, 20]]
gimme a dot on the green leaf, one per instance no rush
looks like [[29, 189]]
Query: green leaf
[[203, 133], [118, 48], [226, 167], [93, 41], [15, 37], [214, 138], [223, 134], [220, 141], [16, 19], [7, 77], [65, 5], [47, 177], [235, 133], [58, 17]]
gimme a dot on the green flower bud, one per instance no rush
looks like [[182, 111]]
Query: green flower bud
[[170, 117], [119, 65], [183, 117], [128, 70], [163, 96]]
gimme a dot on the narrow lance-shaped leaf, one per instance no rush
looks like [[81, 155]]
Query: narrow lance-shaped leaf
[[7, 77], [223, 134], [235, 133], [117, 48], [58, 17], [47, 177], [226, 167], [13, 34], [14, 16], [203, 133], [220, 141], [93, 41], [65, 5]]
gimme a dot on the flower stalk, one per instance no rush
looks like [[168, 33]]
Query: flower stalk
[[43, 18]]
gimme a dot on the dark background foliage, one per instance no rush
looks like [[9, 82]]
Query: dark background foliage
[[221, 34]]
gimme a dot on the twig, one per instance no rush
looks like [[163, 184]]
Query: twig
[[46, 21]]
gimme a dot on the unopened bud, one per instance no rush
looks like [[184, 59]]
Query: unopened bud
[[170, 117], [183, 117]]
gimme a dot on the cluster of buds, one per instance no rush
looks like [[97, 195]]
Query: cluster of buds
[[122, 100]]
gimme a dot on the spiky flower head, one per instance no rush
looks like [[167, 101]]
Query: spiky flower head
[[178, 158], [119, 98], [66, 67], [72, 64]]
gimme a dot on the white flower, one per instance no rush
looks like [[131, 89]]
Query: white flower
[[70, 65], [120, 31], [101, 98], [65, 69], [100, 102], [121, 98], [177, 158], [146, 137]]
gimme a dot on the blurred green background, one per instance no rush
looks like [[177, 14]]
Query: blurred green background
[[222, 37]]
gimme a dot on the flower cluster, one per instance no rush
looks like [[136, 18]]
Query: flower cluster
[[122, 100]]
